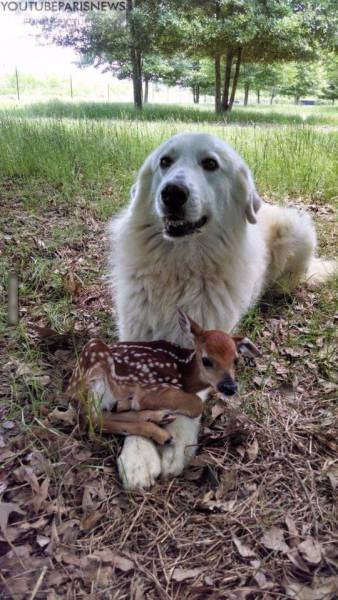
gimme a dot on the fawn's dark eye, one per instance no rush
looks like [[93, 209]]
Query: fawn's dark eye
[[166, 162], [206, 361], [209, 164]]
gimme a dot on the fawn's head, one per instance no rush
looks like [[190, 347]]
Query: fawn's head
[[217, 353]]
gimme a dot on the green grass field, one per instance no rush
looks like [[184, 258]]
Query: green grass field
[[258, 114], [64, 170]]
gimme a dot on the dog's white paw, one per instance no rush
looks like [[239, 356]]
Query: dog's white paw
[[173, 461], [139, 463], [177, 456]]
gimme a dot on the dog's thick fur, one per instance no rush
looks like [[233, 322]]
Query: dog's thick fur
[[215, 274]]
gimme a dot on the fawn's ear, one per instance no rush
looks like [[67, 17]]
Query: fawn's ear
[[188, 326], [247, 348]]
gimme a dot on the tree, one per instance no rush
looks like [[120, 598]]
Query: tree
[[119, 42], [235, 32], [195, 74], [229, 32], [303, 81], [330, 89]]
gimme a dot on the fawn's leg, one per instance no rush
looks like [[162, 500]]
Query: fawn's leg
[[108, 424], [160, 416], [172, 399]]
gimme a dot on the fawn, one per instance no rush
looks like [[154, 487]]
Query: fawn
[[148, 383]]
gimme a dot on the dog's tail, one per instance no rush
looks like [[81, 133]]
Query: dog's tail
[[292, 243], [319, 271]]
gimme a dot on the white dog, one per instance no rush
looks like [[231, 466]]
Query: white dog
[[196, 234]]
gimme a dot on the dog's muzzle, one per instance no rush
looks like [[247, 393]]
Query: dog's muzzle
[[174, 197]]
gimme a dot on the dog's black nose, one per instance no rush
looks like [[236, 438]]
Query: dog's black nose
[[174, 195], [228, 388]]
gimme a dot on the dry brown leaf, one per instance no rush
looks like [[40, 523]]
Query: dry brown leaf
[[42, 540], [59, 415], [183, 574], [259, 576], [331, 471], [102, 575], [43, 380], [311, 550], [293, 532], [243, 549], [72, 283], [87, 501], [6, 508], [116, 560], [21, 570], [24, 369], [41, 495], [39, 491], [228, 481], [69, 558], [90, 520], [252, 449], [296, 559], [12, 533], [217, 410], [193, 474], [137, 590], [322, 589], [273, 539], [208, 503]]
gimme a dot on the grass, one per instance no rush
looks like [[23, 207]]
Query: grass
[[88, 155], [260, 114], [262, 463]]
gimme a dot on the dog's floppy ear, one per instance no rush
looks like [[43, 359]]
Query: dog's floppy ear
[[140, 190], [245, 190]]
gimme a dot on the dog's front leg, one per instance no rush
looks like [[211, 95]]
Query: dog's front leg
[[184, 431], [139, 463], [175, 458]]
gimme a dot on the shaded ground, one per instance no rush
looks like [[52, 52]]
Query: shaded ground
[[255, 516]]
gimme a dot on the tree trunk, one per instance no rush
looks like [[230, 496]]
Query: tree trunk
[[235, 78], [258, 96], [246, 94], [273, 94], [218, 76], [227, 78], [197, 93], [146, 90], [218, 84], [136, 58], [297, 99]]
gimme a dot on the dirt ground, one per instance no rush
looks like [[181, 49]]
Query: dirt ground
[[254, 516]]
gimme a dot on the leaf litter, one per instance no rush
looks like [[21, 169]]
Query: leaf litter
[[255, 516]]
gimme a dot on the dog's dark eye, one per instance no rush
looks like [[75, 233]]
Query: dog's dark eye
[[166, 162], [209, 164], [206, 361], [236, 361]]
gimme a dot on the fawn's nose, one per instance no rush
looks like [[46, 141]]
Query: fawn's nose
[[174, 195], [228, 388]]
